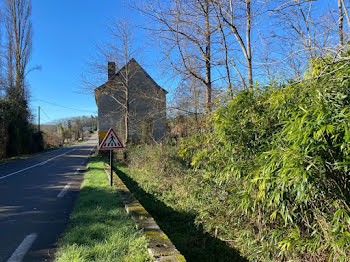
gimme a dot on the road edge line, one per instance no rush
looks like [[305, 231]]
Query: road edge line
[[64, 190], [22, 249], [38, 164]]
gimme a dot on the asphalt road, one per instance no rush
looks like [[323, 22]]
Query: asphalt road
[[37, 194]]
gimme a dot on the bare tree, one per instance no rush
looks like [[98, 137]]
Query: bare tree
[[117, 52], [186, 29], [123, 34], [3, 126], [126, 85], [189, 98], [230, 13], [304, 31], [19, 44], [18, 48], [2, 59]]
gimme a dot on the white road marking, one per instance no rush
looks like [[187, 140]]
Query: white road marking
[[39, 164], [50, 151], [23, 248], [90, 153], [42, 163], [64, 191]]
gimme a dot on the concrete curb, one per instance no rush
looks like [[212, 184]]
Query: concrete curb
[[159, 245]]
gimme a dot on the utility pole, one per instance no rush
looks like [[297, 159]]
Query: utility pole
[[39, 118]]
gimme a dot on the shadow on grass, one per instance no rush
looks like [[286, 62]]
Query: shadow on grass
[[188, 238]]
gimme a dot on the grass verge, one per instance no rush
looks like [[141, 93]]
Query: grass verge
[[99, 228], [179, 225]]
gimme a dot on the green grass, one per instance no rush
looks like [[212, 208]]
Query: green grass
[[99, 228], [179, 225]]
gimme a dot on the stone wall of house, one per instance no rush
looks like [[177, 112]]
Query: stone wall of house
[[147, 106]]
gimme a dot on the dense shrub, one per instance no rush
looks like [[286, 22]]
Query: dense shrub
[[280, 157], [17, 135], [271, 174]]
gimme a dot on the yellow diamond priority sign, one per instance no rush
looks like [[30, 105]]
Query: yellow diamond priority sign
[[111, 141]]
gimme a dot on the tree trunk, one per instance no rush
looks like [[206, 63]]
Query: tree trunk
[[345, 12], [249, 49], [126, 123], [207, 59], [340, 26], [126, 116], [125, 156]]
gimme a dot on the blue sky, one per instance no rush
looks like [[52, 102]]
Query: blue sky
[[66, 33], [65, 36]]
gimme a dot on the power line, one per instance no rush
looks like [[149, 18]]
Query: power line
[[66, 107], [47, 117], [34, 108]]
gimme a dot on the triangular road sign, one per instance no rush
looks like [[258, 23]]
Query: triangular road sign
[[111, 141]]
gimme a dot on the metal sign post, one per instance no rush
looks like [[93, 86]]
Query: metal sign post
[[111, 141], [111, 165]]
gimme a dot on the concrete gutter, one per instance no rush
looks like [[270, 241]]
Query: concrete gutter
[[159, 245]]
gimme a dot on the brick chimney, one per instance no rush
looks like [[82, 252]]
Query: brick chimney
[[111, 70]]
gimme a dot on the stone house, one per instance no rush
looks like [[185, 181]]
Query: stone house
[[131, 87]]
